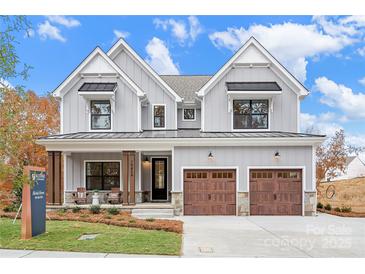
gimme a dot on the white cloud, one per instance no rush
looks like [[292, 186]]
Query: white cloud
[[48, 31], [341, 97], [185, 33], [357, 20], [68, 22], [319, 124], [159, 57], [121, 34], [361, 51], [362, 81], [5, 84], [195, 27], [292, 43]]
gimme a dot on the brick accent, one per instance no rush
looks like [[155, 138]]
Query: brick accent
[[243, 204], [177, 202], [310, 203]]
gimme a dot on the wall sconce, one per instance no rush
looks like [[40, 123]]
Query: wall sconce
[[277, 155], [146, 161], [210, 156]]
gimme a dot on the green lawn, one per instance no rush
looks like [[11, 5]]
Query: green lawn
[[63, 235]]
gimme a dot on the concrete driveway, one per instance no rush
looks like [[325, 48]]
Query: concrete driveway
[[273, 236]]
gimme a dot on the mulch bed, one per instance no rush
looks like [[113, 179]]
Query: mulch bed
[[342, 214], [123, 219]]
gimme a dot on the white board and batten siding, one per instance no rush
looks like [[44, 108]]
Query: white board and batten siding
[[155, 93]]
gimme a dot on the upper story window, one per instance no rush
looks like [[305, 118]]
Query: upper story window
[[159, 116], [100, 115], [189, 114], [250, 114]]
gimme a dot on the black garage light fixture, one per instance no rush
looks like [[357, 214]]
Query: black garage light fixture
[[146, 161], [277, 155], [210, 156]]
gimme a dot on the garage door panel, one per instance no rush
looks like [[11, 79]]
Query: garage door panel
[[275, 192], [215, 194]]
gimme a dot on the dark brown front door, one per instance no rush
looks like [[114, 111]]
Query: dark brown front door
[[159, 179], [209, 192], [276, 192]]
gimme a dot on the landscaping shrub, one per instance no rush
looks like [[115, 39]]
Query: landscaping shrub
[[113, 211], [150, 219], [132, 221], [95, 209], [346, 209], [76, 209], [11, 208], [328, 207], [337, 209], [319, 205], [63, 210]]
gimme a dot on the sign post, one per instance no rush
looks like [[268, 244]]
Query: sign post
[[34, 203]]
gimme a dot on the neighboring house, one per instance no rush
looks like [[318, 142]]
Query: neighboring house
[[226, 144], [354, 168]]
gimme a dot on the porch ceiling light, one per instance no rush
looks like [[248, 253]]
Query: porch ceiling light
[[146, 161], [277, 155], [210, 156]]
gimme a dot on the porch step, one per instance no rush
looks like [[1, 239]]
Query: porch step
[[156, 213]]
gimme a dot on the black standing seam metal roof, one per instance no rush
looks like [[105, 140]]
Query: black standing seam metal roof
[[98, 87], [253, 86], [181, 133]]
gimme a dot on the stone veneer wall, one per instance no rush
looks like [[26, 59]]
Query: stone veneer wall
[[310, 203], [243, 204], [177, 202]]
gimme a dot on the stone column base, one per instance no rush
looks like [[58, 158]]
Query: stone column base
[[243, 204], [177, 203], [139, 197], [310, 207]]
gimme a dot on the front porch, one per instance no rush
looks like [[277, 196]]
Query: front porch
[[138, 177]]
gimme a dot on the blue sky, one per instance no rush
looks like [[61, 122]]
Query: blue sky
[[326, 53]]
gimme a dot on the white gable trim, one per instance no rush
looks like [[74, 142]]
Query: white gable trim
[[94, 53], [121, 43], [302, 91]]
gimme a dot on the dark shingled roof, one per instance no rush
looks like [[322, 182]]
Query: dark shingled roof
[[98, 87], [186, 85], [181, 133], [253, 86]]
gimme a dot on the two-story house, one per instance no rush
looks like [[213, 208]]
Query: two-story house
[[226, 144]]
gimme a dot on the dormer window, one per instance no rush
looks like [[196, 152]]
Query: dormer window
[[100, 115], [250, 114]]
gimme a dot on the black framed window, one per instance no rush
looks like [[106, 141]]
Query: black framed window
[[250, 114], [189, 114], [100, 115], [102, 175], [159, 116]]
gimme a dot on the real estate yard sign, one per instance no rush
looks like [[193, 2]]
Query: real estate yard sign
[[34, 203]]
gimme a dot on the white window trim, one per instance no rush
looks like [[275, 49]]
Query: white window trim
[[111, 117], [188, 120], [153, 117], [253, 129], [103, 161]]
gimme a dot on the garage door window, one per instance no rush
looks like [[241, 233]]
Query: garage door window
[[289, 174]]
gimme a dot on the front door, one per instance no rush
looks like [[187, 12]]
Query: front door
[[159, 178]]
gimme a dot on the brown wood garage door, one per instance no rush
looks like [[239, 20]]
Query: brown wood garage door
[[276, 192], [209, 192]]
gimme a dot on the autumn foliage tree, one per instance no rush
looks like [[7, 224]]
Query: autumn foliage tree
[[24, 116]]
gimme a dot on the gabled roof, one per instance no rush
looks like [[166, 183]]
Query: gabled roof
[[252, 41], [186, 85], [123, 44], [97, 51]]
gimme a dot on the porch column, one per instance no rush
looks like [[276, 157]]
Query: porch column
[[54, 178], [128, 171]]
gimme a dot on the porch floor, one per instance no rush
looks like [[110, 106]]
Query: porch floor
[[165, 205]]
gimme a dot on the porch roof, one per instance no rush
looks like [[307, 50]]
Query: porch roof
[[178, 134]]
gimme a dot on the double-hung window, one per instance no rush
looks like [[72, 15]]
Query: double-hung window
[[250, 114], [159, 116], [100, 115], [102, 175]]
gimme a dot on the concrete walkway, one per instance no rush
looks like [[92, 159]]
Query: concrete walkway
[[273, 236], [11, 253]]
